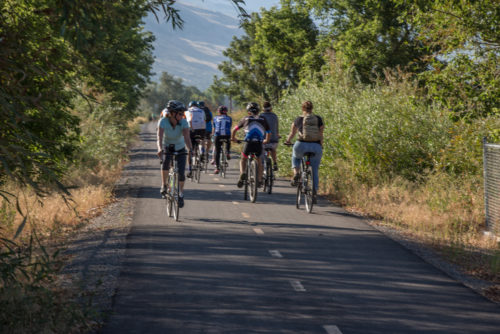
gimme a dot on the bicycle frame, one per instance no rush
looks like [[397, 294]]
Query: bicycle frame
[[172, 195]]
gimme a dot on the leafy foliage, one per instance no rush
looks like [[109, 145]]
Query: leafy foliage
[[272, 56]]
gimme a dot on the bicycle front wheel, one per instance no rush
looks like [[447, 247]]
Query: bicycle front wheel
[[222, 164], [252, 180], [175, 196], [308, 190], [197, 171], [299, 193]]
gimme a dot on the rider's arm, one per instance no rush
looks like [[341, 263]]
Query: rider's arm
[[293, 131], [233, 133], [268, 137], [159, 141], [321, 128]]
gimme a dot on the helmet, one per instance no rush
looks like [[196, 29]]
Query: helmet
[[253, 107], [201, 104], [222, 110], [193, 104], [175, 106]]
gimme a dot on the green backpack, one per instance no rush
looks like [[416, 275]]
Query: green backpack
[[310, 129]]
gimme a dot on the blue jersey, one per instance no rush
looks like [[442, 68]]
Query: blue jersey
[[222, 124]]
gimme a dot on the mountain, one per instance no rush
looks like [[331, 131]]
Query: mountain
[[194, 52]]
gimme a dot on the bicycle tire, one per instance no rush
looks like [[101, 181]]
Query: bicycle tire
[[205, 163], [168, 200], [198, 171], [245, 183], [269, 176], [175, 196], [299, 193], [222, 164], [252, 179], [308, 190]]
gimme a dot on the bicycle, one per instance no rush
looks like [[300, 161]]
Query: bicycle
[[268, 173], [305, 187], [223, 158], [196, 164], [172, 195], [251, 180]]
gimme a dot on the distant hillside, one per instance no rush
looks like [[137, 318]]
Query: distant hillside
[[194, 52]]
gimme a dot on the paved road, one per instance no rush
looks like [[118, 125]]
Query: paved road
[[230, 266]]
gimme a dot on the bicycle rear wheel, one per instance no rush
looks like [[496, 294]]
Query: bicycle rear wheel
[[222, 164], [168, 200], [299, 193], [308, 190], [197, 170], [270, 176], [252, 180]]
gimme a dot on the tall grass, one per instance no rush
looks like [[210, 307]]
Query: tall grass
[[392, 154]]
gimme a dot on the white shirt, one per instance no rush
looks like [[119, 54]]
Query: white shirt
[[196, 118]]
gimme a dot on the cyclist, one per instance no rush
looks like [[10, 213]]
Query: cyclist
[[222, 130], [208, 129], [174, 130], [272, 120], [257, 132], [196, 120], [310, 139]]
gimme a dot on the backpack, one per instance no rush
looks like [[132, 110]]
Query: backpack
[[310, 129], [208, 114]]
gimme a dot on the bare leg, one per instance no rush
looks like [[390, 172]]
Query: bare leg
[[243, 165]]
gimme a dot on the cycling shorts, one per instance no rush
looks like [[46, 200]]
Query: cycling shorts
[[252, 147]]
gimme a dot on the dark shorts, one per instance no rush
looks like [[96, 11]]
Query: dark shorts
[[197, 133], [252, 147], [181, 163], [208, 135]]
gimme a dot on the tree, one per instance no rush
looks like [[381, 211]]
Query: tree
[[369, 35], [464, 74], [271, 57]]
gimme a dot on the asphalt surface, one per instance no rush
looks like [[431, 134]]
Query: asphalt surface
[[231, 266]]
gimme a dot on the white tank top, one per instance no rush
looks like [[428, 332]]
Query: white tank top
[[196, 118]]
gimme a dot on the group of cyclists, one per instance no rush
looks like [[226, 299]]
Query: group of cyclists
[[179, 127]]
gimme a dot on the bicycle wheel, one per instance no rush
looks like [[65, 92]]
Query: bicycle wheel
[[245, 182], [299, 193], [175, 196], [308, 190], [269, 176], [205, 163], [168, 201], [252, 180], [222, 164], [197, 170]]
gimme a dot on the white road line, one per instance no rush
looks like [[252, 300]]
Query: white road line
[[228, 193], [258, 231], [236, 203], [245, 215], [216, 179], [297, 286], [221, 185], [275, 253], [332, 329]]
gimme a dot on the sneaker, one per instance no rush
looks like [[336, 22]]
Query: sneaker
[[275, 167], [216, 171], [243, 177], [163, 190], [295, 180], [181, 202]]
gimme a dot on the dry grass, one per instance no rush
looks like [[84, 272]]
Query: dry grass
[[441, 212]]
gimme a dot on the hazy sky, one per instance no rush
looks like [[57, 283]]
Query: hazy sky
[[227, 8]]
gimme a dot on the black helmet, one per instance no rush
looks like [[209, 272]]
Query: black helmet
[[193, 103], [175, 106], [222, 109], [201, 104], [253, 107]]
